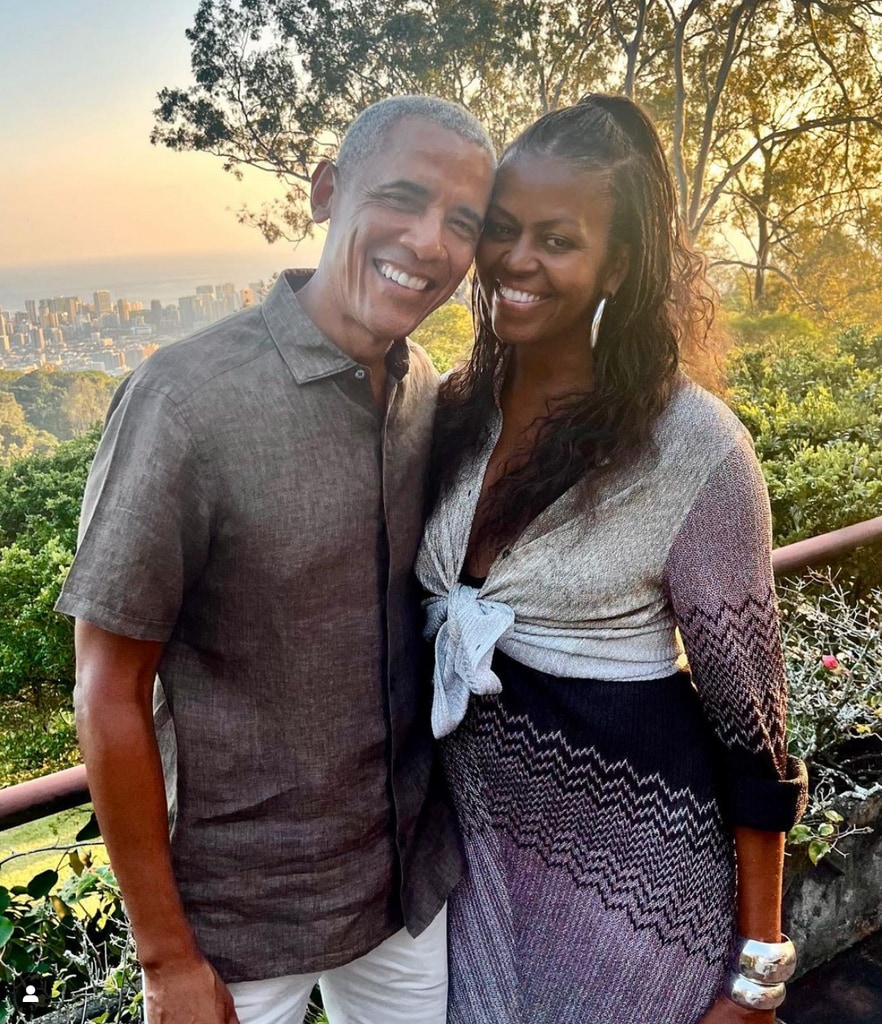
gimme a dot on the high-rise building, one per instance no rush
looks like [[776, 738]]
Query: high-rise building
[[67, 306], [155, 312], [227, 299], [122, 308], [190, 310], [31, 307], [102, 302]]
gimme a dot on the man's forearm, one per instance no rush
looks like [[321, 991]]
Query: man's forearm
[[125, 779], [113, 702]]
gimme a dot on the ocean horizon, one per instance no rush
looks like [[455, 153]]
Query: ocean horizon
[[139, 278]]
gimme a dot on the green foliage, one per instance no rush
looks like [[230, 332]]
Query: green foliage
[[814, 408], [35, 642], [65, 404], [40, 497], [18, 438], [833, 653], [74, 934], [39, 509], [446, 335]]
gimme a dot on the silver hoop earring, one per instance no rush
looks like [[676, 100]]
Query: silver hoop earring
[[598, 316]]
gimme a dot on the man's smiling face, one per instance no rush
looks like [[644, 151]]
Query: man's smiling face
[[403, 230]]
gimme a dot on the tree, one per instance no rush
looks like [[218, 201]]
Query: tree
[[772, 108], [39, 510], [17, 437], [447, 335], [63, 403]]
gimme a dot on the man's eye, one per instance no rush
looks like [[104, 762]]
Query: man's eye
[[464, 227], [400, 199]]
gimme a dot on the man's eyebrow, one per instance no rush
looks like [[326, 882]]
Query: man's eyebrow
[[405, 185]]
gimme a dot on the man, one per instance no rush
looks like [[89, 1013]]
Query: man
[[248, 531]]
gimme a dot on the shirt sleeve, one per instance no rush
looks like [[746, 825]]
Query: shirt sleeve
[[719, 579], [144, 529]]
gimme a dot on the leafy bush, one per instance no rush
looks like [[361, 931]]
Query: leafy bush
[[814, 407], [39, 509], [833, 652], [75, 935], [36, 741], [446, 335]]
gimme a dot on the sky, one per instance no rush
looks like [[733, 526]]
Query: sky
[[79, 179]]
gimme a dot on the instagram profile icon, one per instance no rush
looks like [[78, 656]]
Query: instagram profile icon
[[32, 993]]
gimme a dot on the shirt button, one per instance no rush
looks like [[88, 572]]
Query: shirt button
[[360, 374]]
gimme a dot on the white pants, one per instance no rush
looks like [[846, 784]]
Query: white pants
[[402, 981]]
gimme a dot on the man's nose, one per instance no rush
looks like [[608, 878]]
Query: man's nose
[[425, 236]]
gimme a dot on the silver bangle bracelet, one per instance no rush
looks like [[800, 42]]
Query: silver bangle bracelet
[[766, 962], [754, 996]]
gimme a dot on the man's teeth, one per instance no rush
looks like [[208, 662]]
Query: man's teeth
[[515, 296], [417, 284]]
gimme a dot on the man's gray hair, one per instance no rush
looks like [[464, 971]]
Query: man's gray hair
[[366, 133]]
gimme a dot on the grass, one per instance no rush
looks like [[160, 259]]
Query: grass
[[57, 830]]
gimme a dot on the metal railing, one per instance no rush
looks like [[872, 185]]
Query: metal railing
[[29, 801]]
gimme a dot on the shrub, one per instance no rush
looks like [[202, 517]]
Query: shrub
[[833, 652], [814, 407], [74, 935]]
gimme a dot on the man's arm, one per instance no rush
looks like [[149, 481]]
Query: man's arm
[[114, 714]]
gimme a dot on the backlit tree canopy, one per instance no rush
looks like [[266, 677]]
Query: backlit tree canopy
[[772, 109]]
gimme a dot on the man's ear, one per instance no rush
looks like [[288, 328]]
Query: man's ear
[[323, 185]]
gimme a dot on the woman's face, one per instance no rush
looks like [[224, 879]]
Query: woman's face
[[544, 257]]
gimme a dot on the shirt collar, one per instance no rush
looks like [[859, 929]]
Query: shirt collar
[[309, 354]]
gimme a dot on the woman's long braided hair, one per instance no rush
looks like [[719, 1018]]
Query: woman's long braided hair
[[663, 307]]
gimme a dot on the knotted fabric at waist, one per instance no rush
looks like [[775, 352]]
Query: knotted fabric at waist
[[466, 629]]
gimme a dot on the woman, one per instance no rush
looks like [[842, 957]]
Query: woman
[[592, 501]]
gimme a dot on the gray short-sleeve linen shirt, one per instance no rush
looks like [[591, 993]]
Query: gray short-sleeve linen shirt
[[251, 508]]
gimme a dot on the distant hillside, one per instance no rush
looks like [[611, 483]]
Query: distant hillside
[[41, 408]]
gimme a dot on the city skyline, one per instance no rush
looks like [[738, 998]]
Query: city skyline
[[80, 179], [113, 333]]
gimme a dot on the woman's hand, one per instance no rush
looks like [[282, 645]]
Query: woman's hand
[[724, 1011]]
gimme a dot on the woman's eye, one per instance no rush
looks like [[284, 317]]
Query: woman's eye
[[559, 243], [497, 230]]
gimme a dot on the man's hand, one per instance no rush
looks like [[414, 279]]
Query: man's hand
[[724, 1011], [187, 992]]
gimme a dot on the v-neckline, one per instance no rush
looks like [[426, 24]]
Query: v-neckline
[[481, 471]]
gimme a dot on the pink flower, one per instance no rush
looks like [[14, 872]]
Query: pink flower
[[830, 662]]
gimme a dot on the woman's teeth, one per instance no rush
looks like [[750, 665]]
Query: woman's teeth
[[513, 295]]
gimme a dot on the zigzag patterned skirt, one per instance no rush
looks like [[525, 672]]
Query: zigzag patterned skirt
[[600, 880]]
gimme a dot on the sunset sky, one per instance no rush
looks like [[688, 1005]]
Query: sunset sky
[[79, 179]]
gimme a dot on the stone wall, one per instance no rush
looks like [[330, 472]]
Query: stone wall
[[836, 903]]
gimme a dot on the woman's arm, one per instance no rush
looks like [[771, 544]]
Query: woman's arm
[[719, 579], [760, 860]]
